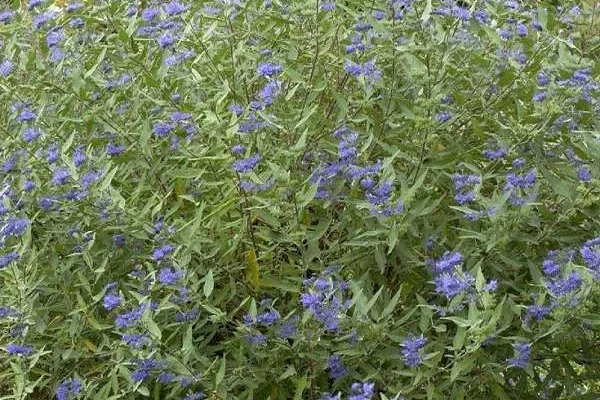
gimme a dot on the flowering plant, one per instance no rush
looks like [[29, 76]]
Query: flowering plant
[[267, 199]]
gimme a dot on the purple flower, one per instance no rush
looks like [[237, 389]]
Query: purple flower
[[269, 69], [177, 58], [111, 301], [33, 4], [522, 353], [451, 285], [76, 23], [328, 6], [539, 96], [149, 14], [538, 312], [237, 109], [481, 16], [68, 388], [60, 176], [362, 391], [505, 34], [268, 93], [380, 194], [169, 276], [175, 8], [119, 240], [584, 174], [411, 348], [160, 253], [522, 30], [166, 40], [495, 155], [6, 259], [561, 287], [26, 115], [336, 367], [368, 70], [187, 315], [590, 252], [43, 18], [289, 328], [491, 286], [443, 117], [267, 318], [6, 16], [135, 340], [130, 318], [162, 129], [71, 7], [53, 38], [30, 134], [14, 349], [114, 150], [363, 26], [79, 157], [6, 67], [14, 227], [178, 116], [247, 164]]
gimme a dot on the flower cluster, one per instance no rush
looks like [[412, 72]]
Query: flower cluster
[[325, 298]]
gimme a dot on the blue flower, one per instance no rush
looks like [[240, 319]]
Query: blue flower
[[522, 353], [362, 391], [175, 8], [584, 174], [6, 16], [269, 69], [148, 14], [443, 116], [7, 258], [169, 276], [130, 318], [451, 285], [538, 312], [328, 6], [14, 227], [411, 349], [247, 164], [160, 253], [194, 396], [14, 349], [496, 154], [79, 157], [447, 262], [111, 301], [187, 315], [114, 150], [561, 287], [6, 67], [60, 176], [71, 7], [336, 367], [135, 340], [166, 40], [68, 388]]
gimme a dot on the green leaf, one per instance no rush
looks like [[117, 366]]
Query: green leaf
[[209, 283], [389, 308]]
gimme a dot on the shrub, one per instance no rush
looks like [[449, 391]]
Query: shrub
[[300, 200]]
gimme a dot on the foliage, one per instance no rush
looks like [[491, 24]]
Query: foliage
[[393, 199]]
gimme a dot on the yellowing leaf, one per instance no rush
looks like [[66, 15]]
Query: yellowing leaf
[[90, 346], [252, 269]]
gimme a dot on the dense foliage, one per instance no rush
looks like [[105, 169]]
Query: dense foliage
[[244, 199]]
